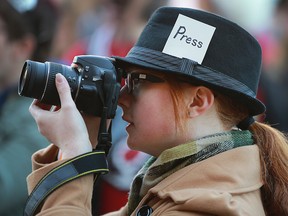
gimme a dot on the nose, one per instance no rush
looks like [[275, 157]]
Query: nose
[[124, 97]]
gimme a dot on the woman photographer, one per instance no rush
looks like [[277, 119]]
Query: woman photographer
[[189, 100]]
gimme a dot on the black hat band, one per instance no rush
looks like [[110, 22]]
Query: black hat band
[[158, 60]]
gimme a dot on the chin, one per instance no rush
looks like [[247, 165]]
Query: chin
[[131, 143]]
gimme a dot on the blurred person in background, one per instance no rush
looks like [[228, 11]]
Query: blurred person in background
[[76, 23], [26, 32], [274, 82]]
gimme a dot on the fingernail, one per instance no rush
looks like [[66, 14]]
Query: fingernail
[[59, 78]]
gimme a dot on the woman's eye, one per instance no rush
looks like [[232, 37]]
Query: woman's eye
[[136, 82]]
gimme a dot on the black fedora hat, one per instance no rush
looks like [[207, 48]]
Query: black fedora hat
[[204, 48]]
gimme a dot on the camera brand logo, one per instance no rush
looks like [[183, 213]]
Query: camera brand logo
[[189, 39]]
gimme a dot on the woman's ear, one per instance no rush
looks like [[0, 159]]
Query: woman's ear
[[201, 99]]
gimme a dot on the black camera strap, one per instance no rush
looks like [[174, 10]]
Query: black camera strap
[[90, 163], [104, 136]]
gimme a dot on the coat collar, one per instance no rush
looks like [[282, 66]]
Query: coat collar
[[235, 171]]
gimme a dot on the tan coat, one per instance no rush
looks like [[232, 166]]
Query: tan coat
[[226, 184]]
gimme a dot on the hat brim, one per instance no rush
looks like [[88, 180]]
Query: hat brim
[[256, 107]]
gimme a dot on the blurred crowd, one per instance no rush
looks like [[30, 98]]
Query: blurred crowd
[[58, 30]]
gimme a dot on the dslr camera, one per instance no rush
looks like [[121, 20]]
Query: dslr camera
[[94, 81]]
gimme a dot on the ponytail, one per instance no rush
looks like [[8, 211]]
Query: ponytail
[[273, 146]]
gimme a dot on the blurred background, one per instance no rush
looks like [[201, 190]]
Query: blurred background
[[57, 30]]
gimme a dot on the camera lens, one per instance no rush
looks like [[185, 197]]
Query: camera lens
[[33, 79], [37, 80]]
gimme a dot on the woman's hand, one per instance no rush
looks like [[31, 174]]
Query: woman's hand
[[65, 127]]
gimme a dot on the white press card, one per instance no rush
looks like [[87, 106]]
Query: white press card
[[189, 39]]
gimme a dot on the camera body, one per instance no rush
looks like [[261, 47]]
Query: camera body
[[94, 81]]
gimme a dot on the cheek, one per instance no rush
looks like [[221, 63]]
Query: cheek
[[159, 118], [154, 123]]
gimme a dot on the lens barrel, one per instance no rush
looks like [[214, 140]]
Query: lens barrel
[[37, 80], [32, 73]]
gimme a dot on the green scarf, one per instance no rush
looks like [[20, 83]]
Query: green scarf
[[171, 160]]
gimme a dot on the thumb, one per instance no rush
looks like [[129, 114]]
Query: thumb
[[63, 89]]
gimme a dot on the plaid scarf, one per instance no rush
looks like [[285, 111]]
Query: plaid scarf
[[171, 160]]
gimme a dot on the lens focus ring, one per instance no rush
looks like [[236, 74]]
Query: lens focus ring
[[50, 94]]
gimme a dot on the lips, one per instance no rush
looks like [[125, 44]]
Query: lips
[[129, 122], [126, 119]]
